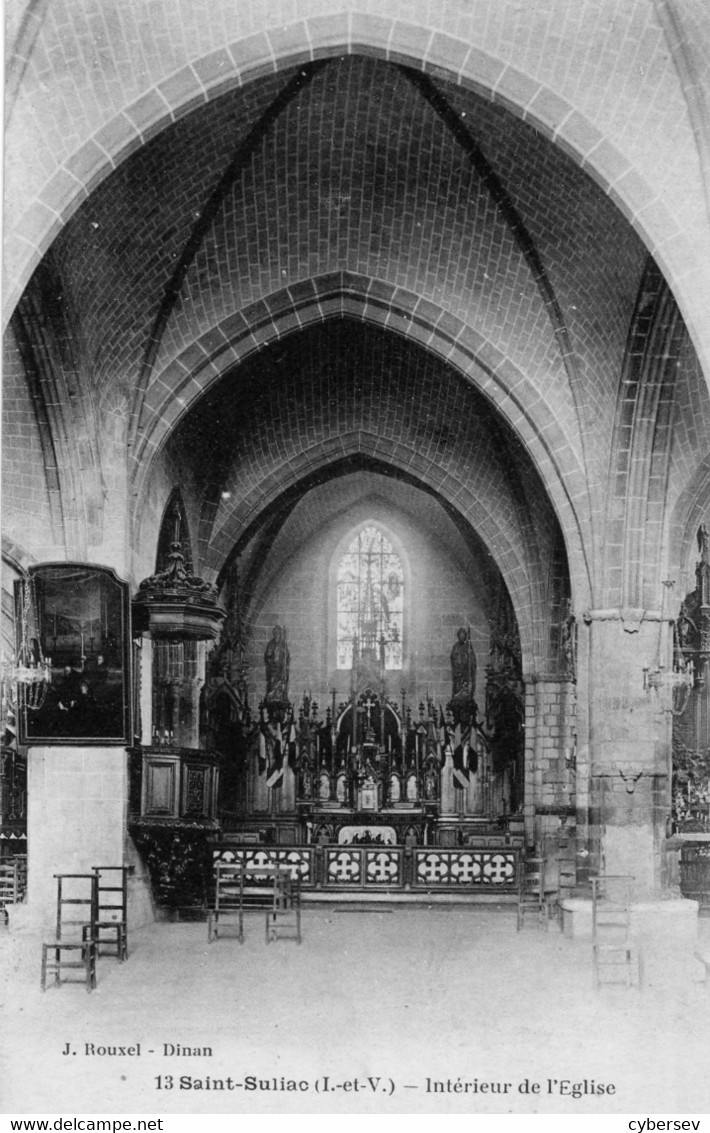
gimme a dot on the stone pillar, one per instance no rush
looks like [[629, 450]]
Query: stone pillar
[[76, 819], [629, 744], [581, 758], [550, 762]]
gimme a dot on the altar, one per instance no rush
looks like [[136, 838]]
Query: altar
[[361, 827], [374, 770], [357, 835]]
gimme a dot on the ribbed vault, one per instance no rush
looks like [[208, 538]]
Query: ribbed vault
[[358, 188], [341, 395]]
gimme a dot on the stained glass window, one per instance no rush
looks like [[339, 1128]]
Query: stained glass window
[[370, 597]]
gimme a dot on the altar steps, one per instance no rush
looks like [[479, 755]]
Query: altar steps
[[421, 900], [339, 902]]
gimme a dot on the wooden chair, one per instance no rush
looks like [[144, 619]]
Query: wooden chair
[[13, 881], [75, 935], [228, 909], [283, 921], [262, 887], [532, 896], [240, 888], [615, 954], [112, 908], [560, 880]]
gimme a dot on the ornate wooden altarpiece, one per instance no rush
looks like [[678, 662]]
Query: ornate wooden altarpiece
[[376, 794]]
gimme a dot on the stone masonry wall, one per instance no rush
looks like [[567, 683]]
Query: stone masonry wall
[[25, 495], [629, 746], [550, 774]]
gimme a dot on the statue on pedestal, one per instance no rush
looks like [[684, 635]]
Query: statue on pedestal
[[463, 677], [463, 667], [277, 661]]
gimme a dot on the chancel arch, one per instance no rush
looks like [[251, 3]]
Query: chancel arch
[[351, 381], [404, 442], [225, 356]]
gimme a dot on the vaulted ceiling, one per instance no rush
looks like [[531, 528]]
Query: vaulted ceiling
[[352, 264]]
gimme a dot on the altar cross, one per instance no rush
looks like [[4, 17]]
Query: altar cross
[[369, 705]]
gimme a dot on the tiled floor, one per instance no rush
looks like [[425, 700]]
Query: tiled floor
[[393, 1001]]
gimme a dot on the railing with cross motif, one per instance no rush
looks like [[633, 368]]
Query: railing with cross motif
[[363, 867], [479, 869], [299, 860], [385, 868]]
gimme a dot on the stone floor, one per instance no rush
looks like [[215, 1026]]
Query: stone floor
[[391, 1000]]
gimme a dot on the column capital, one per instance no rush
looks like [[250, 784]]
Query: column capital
[[547, 679], [630, 616]]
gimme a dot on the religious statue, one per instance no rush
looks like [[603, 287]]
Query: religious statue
[[431, 784], [277, 660], [463, 668], [567, 644]]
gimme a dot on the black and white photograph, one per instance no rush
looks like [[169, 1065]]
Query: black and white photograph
[[355, 512]]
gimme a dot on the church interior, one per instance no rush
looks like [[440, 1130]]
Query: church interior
[[356, 456]]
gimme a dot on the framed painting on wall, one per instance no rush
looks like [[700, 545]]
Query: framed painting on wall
[[77, 623]]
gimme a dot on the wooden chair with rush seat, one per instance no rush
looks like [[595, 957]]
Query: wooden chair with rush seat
[[615, 953], [112, 908], [74, 947], [532, 896]]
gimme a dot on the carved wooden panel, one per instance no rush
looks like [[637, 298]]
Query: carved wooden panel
[[160, 779]]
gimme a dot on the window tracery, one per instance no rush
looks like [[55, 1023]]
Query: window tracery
[[370, 599]]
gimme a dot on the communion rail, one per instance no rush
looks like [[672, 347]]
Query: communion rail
[[386, 869]]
